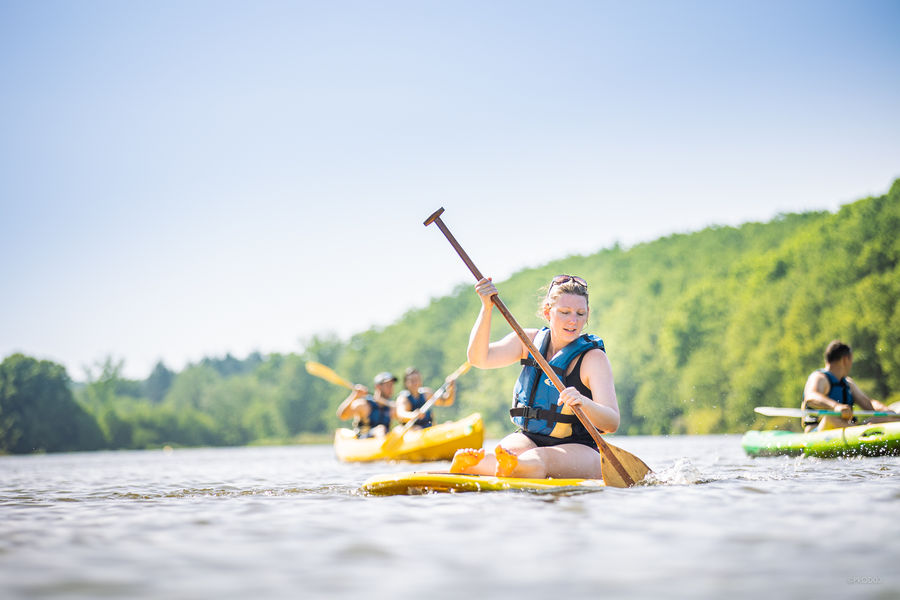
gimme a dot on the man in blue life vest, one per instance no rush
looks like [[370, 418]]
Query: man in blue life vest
[[371, 413], [832, 389]]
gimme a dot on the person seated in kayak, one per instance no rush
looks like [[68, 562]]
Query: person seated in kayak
[[371, 414], [415, 396], [832, 389], [550, 441]]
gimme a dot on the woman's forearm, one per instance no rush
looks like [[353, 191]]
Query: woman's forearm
[[480, 338], [603, 417]]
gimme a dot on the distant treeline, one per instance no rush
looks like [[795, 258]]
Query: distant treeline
[[699, 328]]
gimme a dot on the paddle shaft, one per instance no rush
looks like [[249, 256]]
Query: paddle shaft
[[532, 349], [777, 411]]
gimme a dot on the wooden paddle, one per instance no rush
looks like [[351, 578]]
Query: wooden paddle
[[626, 468], [320, 370], [775, 411], [395, 438]]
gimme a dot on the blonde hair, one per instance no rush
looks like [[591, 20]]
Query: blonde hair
[[559, 285]]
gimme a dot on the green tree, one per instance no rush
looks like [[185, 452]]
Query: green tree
[[38, 411], [158, 383]]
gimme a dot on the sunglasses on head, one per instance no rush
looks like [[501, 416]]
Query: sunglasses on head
[[561, 279]]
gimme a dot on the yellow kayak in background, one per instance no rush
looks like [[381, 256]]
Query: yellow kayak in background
[[438, 442], [422, 482]]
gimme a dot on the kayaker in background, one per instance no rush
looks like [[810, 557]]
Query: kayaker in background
[[550, 441], [832, 389], [371, 414], [415, 396]]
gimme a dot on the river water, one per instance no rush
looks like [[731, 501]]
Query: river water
[[290, 522]]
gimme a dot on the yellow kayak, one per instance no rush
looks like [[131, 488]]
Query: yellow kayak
[[422, 482], [439, 442]]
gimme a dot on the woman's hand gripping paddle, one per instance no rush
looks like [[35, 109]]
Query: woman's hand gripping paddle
[[394, 439], [627, 469]]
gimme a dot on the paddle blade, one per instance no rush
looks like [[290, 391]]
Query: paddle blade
[[323, 372], [775, 411], [634, 466], [392, 442]]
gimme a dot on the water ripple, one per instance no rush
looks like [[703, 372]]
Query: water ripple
[[291, 522]]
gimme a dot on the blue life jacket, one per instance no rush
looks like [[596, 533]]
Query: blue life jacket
[[417, 402], [839, 391], [379, 414], [534, 406]]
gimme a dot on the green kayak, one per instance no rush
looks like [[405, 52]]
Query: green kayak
[[859, 440]]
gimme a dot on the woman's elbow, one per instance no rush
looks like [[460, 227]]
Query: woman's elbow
[[612, 422], [476, 360]]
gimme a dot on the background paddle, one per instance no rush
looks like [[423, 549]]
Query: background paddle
[[395, 438], [775, 411], [320, 370], [627, 468]]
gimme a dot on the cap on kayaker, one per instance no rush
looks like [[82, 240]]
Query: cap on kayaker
[[384, 377]]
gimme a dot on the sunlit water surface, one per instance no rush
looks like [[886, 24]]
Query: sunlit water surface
[[290, 522]]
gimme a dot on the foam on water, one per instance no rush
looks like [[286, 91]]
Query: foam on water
[[681, 472]]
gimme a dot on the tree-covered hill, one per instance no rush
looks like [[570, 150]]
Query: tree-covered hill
[[699, 328]]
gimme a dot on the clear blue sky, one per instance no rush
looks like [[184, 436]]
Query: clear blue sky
[[186, 179]]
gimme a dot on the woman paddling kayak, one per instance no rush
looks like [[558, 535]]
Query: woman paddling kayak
[[550, 441], [415, 396]]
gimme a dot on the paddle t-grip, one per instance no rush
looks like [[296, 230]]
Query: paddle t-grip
[[436, 219], [532, 349], [434, 216], [554, 378]]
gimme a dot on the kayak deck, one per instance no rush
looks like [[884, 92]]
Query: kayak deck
[[439, 442], [422, 482], [876, 439]]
